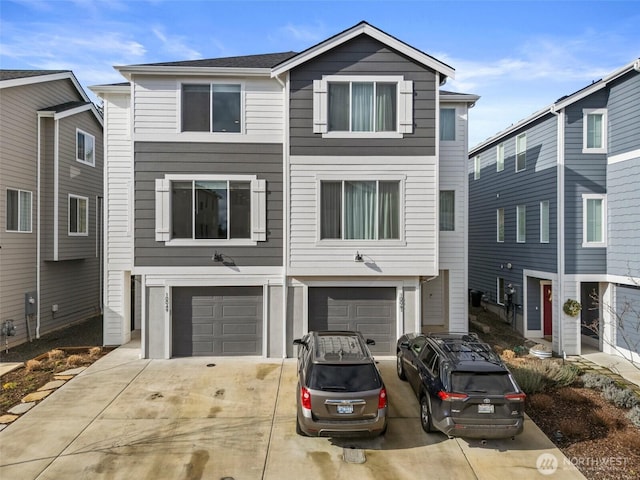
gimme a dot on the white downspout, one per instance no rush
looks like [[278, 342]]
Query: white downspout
[[557, 311], [38, 245]]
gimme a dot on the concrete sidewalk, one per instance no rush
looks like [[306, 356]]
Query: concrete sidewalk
[[192, 418]]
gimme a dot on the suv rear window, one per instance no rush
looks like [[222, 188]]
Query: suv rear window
[[485, 383], [344, 378]]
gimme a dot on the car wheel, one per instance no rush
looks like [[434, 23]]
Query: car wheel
[[425, 415], [400, 368], [298, 429]]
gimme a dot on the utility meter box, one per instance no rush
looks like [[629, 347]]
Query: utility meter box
[[30, 303]]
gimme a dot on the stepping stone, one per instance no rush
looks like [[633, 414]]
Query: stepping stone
[[73, 371], [22, 408], [35, 396], [52, 385], [63, 377], [8, 418]]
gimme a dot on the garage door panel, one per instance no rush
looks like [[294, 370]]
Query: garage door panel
[[370, 310], [217, 321]]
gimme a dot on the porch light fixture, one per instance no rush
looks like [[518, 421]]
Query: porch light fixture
[[217, 257], [358, 257]]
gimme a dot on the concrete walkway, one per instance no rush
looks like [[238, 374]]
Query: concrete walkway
[[191, 418]]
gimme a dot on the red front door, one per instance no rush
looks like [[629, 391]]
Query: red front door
[[546, 310]]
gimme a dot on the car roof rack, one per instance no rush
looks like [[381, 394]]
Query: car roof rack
[[343, 346]]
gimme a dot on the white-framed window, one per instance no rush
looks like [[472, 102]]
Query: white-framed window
[[500, 157], [521, 223], [360, 210], [362, 106], [210, 209], [500, 225], [447, 124], [594, 221], [544, 221], [594, 130], [500, 291], [85, 148], [18, 214], [521, 152], [477, 167], [211, 107], [447, 210], [78, 215]]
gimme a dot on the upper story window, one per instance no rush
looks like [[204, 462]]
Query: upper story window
[[447, 124], [594, 222], [85, 147], [594, 135], [215, 107], [500, 157], [544, 221], [521, 152], [362, 106], [360, 210], [210, 209], [447, 210], [18, 211], [78, 215], [476, 167], [521, 221], [500, 225]]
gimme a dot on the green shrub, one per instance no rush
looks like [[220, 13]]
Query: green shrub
[[535, 376], [634, 415], [597, 381], [620, 397]]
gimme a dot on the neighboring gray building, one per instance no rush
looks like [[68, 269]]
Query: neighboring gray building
[[51, 164], [554, 211], [264, 196]]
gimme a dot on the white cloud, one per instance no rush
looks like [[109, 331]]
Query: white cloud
[[175, 45], [305, 33]]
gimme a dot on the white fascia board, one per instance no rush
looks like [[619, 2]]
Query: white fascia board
[[102, 89], [129, 71], [460, 98], [17, 82], [80, 109], [359, 29]]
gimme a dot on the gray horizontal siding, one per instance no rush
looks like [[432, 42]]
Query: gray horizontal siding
[[362, 56], [584, 174], [623, 201], [507, 189], [624, 114], [154, 160], [627, 313]]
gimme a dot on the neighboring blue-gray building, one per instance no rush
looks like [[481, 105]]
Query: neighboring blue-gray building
[[553, 215]]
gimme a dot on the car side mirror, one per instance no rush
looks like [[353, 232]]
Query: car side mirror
[[298, 341], [404, 344], [370, 341]]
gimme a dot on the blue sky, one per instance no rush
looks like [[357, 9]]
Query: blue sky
[[518, 56]]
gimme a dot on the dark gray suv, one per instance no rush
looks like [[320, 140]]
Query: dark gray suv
[[464, 388], [340, 389]]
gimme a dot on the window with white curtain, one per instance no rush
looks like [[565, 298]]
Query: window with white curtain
[[362, 107], [447, 124], [360, 210], [594, 135], [500, 225], [18, 211], [78, 215], [594, 220], [447, 210], [500, 157], [521, 152], [544, 221], [521, 220], [477, 167], [85, 147]]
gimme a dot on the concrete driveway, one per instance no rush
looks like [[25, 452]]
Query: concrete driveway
[[224, 418]]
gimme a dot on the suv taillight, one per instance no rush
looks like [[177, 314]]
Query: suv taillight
[[450, 396], [382, 398], [305, 398], [515, 396]]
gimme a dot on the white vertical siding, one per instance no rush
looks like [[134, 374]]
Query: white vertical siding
[[118, 222], [415, 255]]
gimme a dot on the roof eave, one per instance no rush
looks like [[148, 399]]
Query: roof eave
[[353, 32], [460, 98], [102, 89], [129, 71]]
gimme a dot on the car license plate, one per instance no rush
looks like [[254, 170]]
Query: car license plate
[[485, 408], [345, 408]]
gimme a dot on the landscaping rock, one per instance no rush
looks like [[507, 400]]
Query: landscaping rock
[[22, 408], [35, 396]]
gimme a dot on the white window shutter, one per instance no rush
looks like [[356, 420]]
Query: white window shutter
[[259, 210], [163, 205], [405, 106], [320, 106]]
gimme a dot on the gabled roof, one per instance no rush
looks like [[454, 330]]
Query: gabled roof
[[559, 104], [63, 107], [366, 29], [16, 74]]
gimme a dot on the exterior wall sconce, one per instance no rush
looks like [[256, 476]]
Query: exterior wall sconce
[[217, 257], [358, 257]]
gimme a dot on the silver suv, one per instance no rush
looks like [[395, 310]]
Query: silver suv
[[340, 390]]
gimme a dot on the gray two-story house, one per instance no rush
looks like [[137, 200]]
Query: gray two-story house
[[261, 197], [553, 217], [50, 203]]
